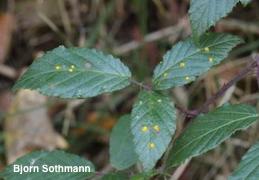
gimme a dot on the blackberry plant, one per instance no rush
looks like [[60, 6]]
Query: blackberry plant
[[143, 136]]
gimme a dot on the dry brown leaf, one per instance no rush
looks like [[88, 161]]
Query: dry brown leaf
[[92, 117], [104, 121], [108, 122], [28, 127]]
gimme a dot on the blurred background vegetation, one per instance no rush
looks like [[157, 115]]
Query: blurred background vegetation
[[137, 31]]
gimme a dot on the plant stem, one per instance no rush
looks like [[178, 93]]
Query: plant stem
[[205, 107], [146, 87], [190, 114], [225, 87]]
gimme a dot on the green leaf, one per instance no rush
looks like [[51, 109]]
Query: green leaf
[[153, 125], [249, 166], [55, 160], [122, 150], [143, 176], [75, 73], [115, 176], [205, 13], [187, 59], [209, 130]]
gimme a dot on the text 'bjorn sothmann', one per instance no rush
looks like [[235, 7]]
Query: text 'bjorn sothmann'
[[21, 169]]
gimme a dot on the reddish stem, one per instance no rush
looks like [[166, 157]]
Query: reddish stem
[[188, 113], [225, 87], [146, 87], [205, 107]]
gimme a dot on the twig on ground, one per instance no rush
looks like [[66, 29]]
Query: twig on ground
[[234, 24], [179, 171], [65, 17], [8, 71], [160, 34]]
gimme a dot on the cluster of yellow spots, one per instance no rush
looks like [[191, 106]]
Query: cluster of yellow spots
[[144, 129], [155, 128], [207, 49], [182, 65], [71, 68]]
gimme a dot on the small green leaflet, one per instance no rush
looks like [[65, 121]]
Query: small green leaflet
[[51, 159], [209, 130], [205, 13], [75, 73], [249, 166], [153, 125], [122, 150], [187, 59]]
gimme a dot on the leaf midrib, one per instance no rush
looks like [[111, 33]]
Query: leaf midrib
[[77, 71]]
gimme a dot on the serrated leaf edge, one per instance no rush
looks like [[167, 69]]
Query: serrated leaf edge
[[208, 149]]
